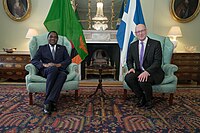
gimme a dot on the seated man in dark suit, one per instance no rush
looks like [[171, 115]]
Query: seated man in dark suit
[[52, 60], [144, 65]]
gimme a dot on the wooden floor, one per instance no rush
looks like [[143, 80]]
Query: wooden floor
[[83, 83], [89, 83], [105, 83]]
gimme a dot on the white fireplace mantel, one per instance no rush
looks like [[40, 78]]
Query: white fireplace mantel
[[95, 36]]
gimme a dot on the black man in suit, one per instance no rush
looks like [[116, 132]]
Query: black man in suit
[[52, 60]]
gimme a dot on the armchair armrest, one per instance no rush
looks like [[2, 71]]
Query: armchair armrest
[[73, 67], [124, 71], [169, 69], [32, 70]]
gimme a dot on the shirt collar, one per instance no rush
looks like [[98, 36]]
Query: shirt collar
[[52, 46], [145, 41]]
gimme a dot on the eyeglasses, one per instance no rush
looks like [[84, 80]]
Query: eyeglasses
[[140, 31]]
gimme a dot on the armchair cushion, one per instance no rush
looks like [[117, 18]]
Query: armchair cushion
[[36, 78]]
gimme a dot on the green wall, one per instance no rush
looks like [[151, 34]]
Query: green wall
[[156, 12]]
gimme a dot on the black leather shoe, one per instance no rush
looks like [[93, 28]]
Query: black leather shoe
[[149, 105], [141, 102], [53, 107], [47, 109]]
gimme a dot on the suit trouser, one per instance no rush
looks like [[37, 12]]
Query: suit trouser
[[54, 83], [141, 89]]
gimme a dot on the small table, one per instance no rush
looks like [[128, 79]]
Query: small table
[[100, 67]]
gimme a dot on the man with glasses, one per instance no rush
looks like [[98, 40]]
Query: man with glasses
[[144, 66]]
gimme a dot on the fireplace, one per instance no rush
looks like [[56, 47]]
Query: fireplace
[[106, 41]]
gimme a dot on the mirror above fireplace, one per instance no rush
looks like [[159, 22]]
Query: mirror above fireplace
[[87, 10]]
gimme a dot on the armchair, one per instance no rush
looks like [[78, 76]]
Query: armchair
[[36, 83], [169, 83]]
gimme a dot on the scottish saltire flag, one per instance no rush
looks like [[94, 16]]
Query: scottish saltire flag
[[120, 15], [131, 17]]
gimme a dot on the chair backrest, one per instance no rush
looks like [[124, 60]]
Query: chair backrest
[[167, 47], [36, 41]]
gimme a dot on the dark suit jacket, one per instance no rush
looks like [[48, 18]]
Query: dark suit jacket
[[43, 55], [152, 59]]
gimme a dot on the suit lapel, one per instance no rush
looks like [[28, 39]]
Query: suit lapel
[[137, 52], [49, 51], [58, 48], [148, 46]]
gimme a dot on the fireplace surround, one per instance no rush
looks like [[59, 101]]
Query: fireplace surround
[[105, 40]]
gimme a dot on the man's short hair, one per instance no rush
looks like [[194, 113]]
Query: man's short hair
[[52, 32]]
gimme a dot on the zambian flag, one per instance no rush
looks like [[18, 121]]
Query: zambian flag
[[62, 19]]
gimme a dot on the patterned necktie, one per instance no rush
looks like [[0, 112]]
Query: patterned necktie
[[141, 54], [53, 52]]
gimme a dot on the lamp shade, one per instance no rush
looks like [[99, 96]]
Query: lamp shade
[[31, 32], [175, 31]]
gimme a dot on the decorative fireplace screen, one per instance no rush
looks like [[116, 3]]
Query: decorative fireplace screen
[[100, 58]]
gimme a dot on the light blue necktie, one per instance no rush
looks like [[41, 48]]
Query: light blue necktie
[[141, 54]]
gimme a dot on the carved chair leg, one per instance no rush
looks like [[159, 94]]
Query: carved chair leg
[[171, 97], [30, 98], [125, 94], [76, 95]]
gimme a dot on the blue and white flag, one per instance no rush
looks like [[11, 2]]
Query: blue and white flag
[[131, 17]]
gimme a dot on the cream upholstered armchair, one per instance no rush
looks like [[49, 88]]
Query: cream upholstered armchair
[[36, 83], [169, 83]]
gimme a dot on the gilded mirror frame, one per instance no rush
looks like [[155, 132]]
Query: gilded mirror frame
[[17, 10], [184, 10]]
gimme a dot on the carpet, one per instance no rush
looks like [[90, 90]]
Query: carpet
[[110, 115]]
